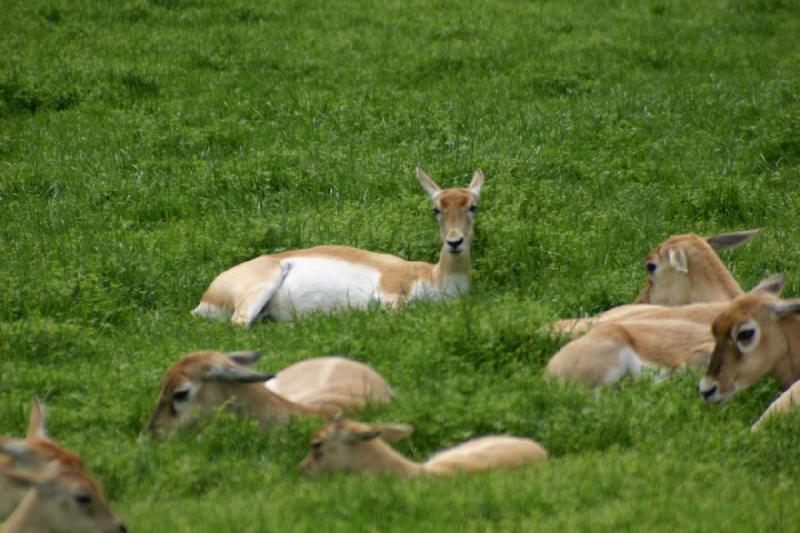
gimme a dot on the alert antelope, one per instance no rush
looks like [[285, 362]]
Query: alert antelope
[[354, 447], [684, 269], [201, 382], [35, 453], [61, 499], [757, 335], [327, 278]]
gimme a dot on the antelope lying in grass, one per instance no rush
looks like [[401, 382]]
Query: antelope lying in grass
[[35, 453], [682, 270], [666, 339], [757, 335], [327, 278], [201, 382], [785, 402], [347, 446], [60, 499]]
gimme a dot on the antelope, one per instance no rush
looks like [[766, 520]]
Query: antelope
[[201, 382], [36, 453], [61, 499], [682, 270], [665, 338], [354, 447], [286, 285], [757, 335], [785, 402]]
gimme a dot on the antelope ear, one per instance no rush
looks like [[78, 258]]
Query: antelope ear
[[726, 241], [245, 357], [393, 432], [477, 183], [36, 427], [773, 284], [234, 374], [678, 260], [23, 478], [787, 307], [14, 448], [351, 437], [428, 184]]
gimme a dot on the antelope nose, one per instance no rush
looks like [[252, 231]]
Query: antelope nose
[[707, 394], [455, 243]]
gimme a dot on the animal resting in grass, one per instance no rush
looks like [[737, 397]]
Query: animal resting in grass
[[684, 269], [201, 382], [328, 278], [44, 487], [354, 447], [667, 339], [757, 335]]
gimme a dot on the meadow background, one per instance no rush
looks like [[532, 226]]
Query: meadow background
[[145, 146]]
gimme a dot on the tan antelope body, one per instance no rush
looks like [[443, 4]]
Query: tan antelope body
[[329, 278], [354, 447], [664, 338], [609, 352], [61, 499], [684, 269], [757, 335], [322, 382], [202, 382], [785, 402], [35, 453]]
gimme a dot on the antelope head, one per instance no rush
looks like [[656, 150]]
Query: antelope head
[[61, 500], [198, 384], [455, 210], [686, 269], [749, 341], [348, 446]]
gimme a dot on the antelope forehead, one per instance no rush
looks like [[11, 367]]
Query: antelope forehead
[[454, 198]]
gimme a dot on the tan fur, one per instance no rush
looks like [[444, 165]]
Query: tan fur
[[611, 351], [786, 402], [244, 291], [331, 382], [354, 447], [61, 500], [687, 270], [218, 381], [772, 350], [36, 453]]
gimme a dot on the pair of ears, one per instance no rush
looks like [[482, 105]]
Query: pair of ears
[[679, 261], [433, 189]]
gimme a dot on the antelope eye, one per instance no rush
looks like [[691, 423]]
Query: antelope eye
[[180, 395], [473, 208], [650, 266], [83, 498], [436, 211], [316, 445], [745, 335]]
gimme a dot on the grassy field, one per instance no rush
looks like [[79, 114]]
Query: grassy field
[[145, 146]]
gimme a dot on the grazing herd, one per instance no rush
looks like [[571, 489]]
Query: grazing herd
[[691, 312]]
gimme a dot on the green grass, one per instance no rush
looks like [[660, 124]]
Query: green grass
[[145, 146]]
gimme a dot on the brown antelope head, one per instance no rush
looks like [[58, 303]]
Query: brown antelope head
[[198, 384], [685, 269], [35, 453], [61, 499], [750, 342], [348, 446], [455, 210]]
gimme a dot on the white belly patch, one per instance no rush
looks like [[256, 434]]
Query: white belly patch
[[321, 284]]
